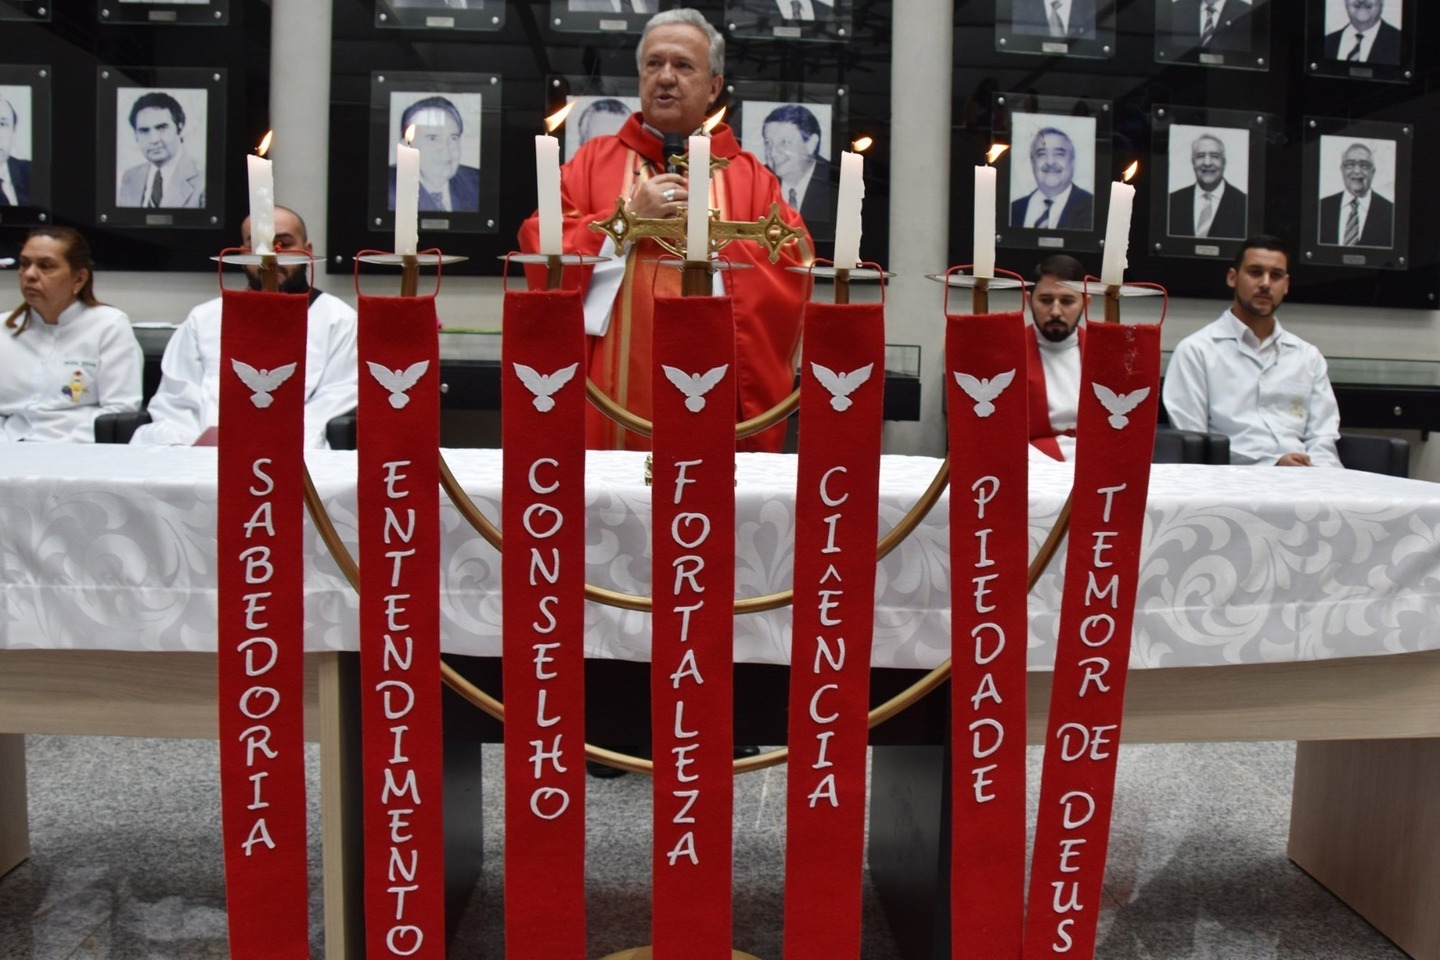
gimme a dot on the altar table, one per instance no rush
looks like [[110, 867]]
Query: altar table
[[1291, 604]]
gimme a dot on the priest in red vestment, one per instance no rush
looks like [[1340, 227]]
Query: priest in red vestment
[[1053, 363], [681, 62]]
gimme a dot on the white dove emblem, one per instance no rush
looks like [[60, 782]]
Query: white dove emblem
[[398, 381], [263, 382], [543, 386], [983, 391], [1120, 404], [841, 385], [695, 385]]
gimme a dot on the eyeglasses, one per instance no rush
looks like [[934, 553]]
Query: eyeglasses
[[1365, 165]]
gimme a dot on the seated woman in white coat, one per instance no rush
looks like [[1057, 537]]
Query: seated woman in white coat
[[66, 357]]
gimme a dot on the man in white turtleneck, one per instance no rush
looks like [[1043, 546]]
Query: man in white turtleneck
[[1055, 341]]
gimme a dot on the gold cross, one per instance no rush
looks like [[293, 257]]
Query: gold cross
[[771, 232]]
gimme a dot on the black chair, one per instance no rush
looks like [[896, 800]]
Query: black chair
[[119, 427], [340, 432], [1173, 445], [1387, 455]]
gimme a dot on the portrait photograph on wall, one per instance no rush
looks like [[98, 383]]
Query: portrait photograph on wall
[[1361, 39], [453, 121], [159, 156], [1207, 180], [593, 115], [1353, 174], [1067, 28], [440, 14], [603, 16], [1048, 177], [24, 144], [214, 13], [788, 19], [1233, 34], [797, 140], [37, 11]]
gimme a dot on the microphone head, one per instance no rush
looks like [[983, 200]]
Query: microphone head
[[674, 144]]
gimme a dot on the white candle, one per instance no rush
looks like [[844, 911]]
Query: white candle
[[1117, 234], [697, 233], [985, 221], [847, 210], [547, 186], [262, 204], [407, 199]]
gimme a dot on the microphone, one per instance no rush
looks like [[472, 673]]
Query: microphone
[[673, 145]]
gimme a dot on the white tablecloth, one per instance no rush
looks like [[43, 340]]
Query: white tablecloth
[[113, 548]]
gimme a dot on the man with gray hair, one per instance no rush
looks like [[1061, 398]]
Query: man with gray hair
[[1056, 203], [1366, 38], [14, 172], [681, 62], [1211, 206], [1357, 216]]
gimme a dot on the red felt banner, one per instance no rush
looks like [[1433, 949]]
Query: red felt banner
[[989, 501], [543, 576], [261, 627], [398, 499], [693, 637], [837, 497], [1119, 388]]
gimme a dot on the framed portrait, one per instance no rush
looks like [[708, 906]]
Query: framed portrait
[[1229, 34], [453, 119], [788, 19], [604, 16], [1361, 39], [594, 114], [33, 10], [1355, 187], [1207, 180], [1077, 28], [798, 132], [440, 14], [204, 13], [159, 143], [25, 196], [1059, 154]]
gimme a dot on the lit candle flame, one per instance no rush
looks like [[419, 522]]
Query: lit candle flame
[[995, 151], [713, 121], [264, 147], [553, 121], [410, 133], [1130, 172], [863, 144]]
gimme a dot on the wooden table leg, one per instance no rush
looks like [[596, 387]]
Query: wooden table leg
[[1365, 822], [14, 815]]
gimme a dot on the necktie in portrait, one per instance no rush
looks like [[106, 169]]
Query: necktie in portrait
[[1354, 54], [1352, 223], [157, 190], [6, 193], [1044, 219], [1208, 30], [1207, 214], [1057, 26], [794, 200]]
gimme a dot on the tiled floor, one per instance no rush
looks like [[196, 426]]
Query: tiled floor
[[126, 861]]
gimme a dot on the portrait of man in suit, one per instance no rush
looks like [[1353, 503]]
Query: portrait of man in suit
[[597, 116], [793, 151], [1059, 19], [1366, 38], [441, 4], [1211, 206], [14, 172], [1057, 202], [1207, 26], [772, 13], [1357, 216], [613, 6], [169, 175], [446, 184]]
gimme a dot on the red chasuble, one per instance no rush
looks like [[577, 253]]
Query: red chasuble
[[261, 630], [768, 299]]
